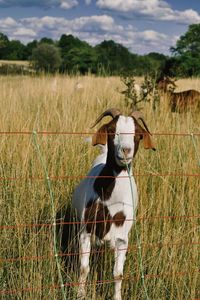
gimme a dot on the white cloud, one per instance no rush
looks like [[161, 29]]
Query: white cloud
[[87, 2], [64, 4], [156, 9], [25, 32], [67, 4], [8, 22], [93, 29]]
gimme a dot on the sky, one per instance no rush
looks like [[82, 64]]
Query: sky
[[142, 26]]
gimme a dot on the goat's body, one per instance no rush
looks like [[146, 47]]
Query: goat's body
[[124, 198], [109, 220], [185, 100]]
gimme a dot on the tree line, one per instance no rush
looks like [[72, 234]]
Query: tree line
[[71, 55]]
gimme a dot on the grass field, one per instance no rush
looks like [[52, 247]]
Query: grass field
[[168, 212], [14, 62]]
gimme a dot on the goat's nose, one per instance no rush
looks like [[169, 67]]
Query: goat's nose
[[126, 151]]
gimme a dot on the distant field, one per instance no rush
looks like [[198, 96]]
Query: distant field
[[168, 212], [14, 62]]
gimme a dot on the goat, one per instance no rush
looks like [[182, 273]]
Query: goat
[[179, 101], [183, 101], [104, 202]]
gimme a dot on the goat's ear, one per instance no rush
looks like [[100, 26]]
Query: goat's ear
[[148, 144], [100, 137], [145, 135]]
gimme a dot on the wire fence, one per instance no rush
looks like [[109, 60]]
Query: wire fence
[[139, 219], [129, 249], [91, 133], [99, 282], [56, 254]]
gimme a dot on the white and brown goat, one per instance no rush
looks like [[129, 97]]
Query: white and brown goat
[[106, 200]]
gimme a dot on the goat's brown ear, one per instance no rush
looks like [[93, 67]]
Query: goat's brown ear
[[100, 137], [148, 144], [146, 136]]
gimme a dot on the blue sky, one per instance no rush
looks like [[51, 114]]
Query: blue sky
[[142, 26]]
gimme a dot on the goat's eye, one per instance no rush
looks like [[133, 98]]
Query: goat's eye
[[137, 136]]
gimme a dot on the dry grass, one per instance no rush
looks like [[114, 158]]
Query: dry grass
[[14, 62], [184, 84], [170, 246]]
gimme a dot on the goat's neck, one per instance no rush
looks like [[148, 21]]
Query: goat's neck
[[112, 166], [105, 183]]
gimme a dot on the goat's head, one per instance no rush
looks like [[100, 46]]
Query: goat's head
[[122, 135], [165, 83]]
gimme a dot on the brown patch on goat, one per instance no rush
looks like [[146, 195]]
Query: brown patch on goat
[[104, 184], [97, 219], [100, 137], [119, 219], [138, 136]]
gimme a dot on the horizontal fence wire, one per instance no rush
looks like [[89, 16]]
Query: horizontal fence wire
[[139, 219], [56, 178], [100, 282], [91, 133], [69, 177], [110, 250]]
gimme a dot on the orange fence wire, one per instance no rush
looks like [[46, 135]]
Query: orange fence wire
[[91, 133], [139, 219], [69, 177], [99, 282], [129, 249]]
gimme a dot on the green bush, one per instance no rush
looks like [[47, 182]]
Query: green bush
[[46, 57]]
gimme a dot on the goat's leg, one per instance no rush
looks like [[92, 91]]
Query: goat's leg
[[85, 246], [120, 257]]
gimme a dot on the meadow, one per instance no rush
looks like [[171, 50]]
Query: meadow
[[36, 116]]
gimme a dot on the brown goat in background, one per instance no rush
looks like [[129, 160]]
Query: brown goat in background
[[179, 101]]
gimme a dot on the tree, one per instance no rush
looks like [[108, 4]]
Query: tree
[[113, 57], [47, 41], [80, 60], [29, 49], [189, 42], [68, 42], [187, 51], [16, 51], [77, 56], [46, 58], [4, 42]]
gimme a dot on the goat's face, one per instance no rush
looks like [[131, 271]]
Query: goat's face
[[122, 135], [166, 84], [123, 140]]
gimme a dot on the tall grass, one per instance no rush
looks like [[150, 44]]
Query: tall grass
[[170, 246]]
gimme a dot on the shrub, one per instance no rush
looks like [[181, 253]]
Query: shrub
[[46, 57]]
